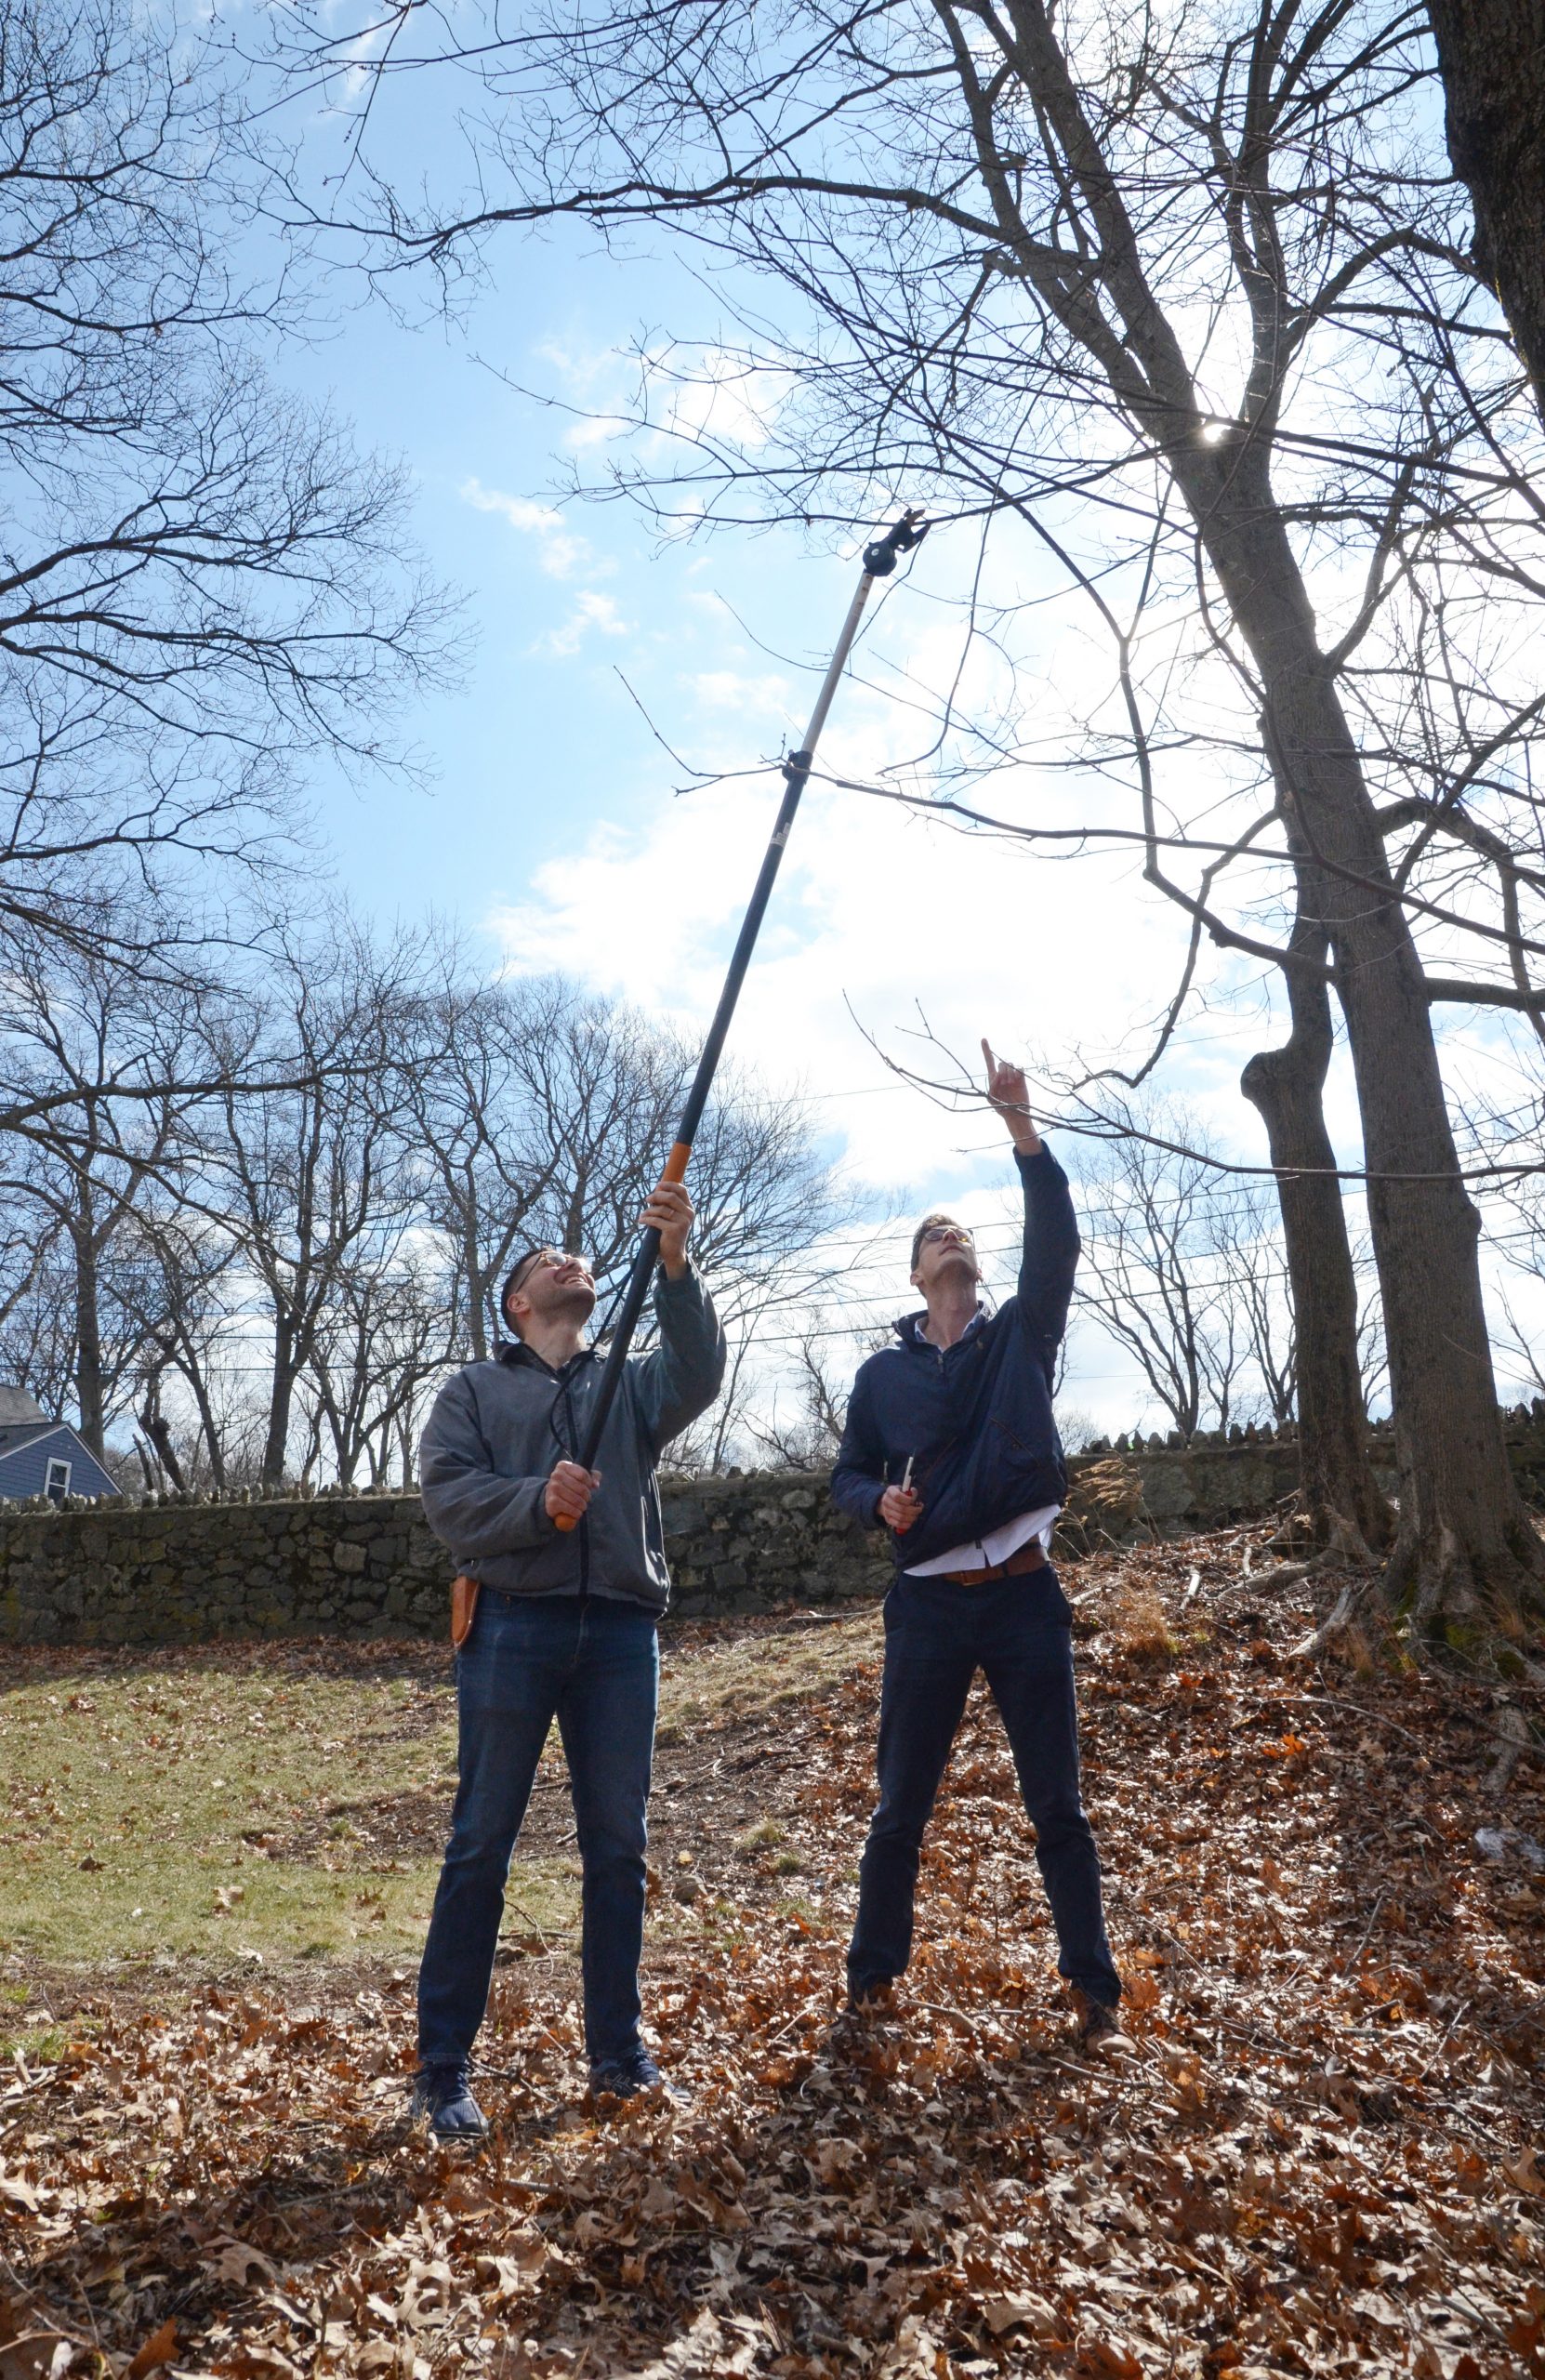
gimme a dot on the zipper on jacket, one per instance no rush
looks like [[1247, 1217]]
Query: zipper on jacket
[[583, 1532]]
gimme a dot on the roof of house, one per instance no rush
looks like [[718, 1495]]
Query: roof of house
[[19, 1433], [16, 1407], [27, 1449]]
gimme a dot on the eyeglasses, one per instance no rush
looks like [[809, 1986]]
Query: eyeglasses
[[552, 1257], [944, 1231]]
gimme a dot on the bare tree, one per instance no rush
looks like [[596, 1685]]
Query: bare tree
[[1342, 1501], [1150, 1273], [200, 580], [382, 1340], [106, 1054], [1087, 255], [307, 1177], [478, 1157], [546, 1115], [1247, 1252], [810, 1439], [37, 1335], [182, 1288]]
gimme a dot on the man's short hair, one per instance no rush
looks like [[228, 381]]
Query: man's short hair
[[931, 1222], [513, 1279]]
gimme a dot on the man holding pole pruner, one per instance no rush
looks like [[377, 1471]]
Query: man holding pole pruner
[[950, 1444], [563, 1578]]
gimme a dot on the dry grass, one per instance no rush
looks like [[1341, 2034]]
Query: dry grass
[[1138, 1625], [706, 1682]]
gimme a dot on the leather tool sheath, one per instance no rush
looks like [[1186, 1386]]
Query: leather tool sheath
[[464, 1608]]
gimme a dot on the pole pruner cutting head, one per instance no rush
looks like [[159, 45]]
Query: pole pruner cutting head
[[881, 559]]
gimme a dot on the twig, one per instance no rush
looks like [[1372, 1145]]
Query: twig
[[1448, 2030], [1368, 1930], [1364, 1711]]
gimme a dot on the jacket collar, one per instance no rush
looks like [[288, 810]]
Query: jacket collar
[[515, 1352], [909, 1330]]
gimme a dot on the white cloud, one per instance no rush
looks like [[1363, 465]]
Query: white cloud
[[718, 396], [879, 920], [591, 611], [559, 550]]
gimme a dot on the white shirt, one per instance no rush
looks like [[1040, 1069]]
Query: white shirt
[[981, 1553], [985, 1553]]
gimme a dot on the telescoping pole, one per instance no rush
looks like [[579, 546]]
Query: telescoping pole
[[879, 561]]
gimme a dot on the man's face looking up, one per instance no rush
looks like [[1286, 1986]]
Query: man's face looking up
[[946, 1251], [551, 1287]]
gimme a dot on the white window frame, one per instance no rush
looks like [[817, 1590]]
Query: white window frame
[[53, 1485]]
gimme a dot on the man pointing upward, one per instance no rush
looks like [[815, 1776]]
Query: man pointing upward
[[959, 1408]]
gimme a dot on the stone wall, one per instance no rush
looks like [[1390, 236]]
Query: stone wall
[[181, 1570]]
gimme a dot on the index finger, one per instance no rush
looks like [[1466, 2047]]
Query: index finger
[[987, 1054]]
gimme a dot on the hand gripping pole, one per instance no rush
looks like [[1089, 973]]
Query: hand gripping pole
[[879, 561]]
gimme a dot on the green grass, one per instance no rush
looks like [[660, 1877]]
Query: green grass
[[233, 1806], [765, 1836], [189, 1809]]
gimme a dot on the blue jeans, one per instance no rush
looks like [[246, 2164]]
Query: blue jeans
[[937, 1636], [595, 1666]]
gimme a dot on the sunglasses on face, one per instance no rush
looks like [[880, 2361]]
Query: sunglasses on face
[[945, 1231]]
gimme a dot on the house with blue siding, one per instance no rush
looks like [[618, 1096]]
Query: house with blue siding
[[43, 1458]]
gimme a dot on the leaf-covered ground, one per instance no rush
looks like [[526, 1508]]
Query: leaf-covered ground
[[1323, 2157]]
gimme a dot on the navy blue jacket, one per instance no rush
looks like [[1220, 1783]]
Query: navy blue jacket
[[976, 1418]]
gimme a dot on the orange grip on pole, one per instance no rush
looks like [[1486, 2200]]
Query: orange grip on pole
[[674, 1170]]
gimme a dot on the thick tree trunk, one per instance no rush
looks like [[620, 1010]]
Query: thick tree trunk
[[1491, 54], [88, 1338], [480, 1291], [1335, 1474], [208, 1423], [1466, 1559], [276, 1442]]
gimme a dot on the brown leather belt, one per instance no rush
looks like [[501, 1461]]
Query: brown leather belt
[[1029, 1557]]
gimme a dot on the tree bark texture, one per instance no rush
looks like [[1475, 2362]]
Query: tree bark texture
[[277, 1438], [89, 1334], [1491, 54], [1466, 1554], [1287, 1086]]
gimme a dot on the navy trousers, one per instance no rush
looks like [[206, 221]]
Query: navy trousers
[[937, 1635]]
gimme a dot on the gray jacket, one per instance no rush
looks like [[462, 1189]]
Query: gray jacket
[[497, 1429]]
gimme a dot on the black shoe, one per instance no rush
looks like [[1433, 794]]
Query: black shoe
[[1097, 2029], [868, 2004], [629, 2078], [442, 2099]]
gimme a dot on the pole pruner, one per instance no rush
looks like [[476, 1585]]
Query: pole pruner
[[879, 561]]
